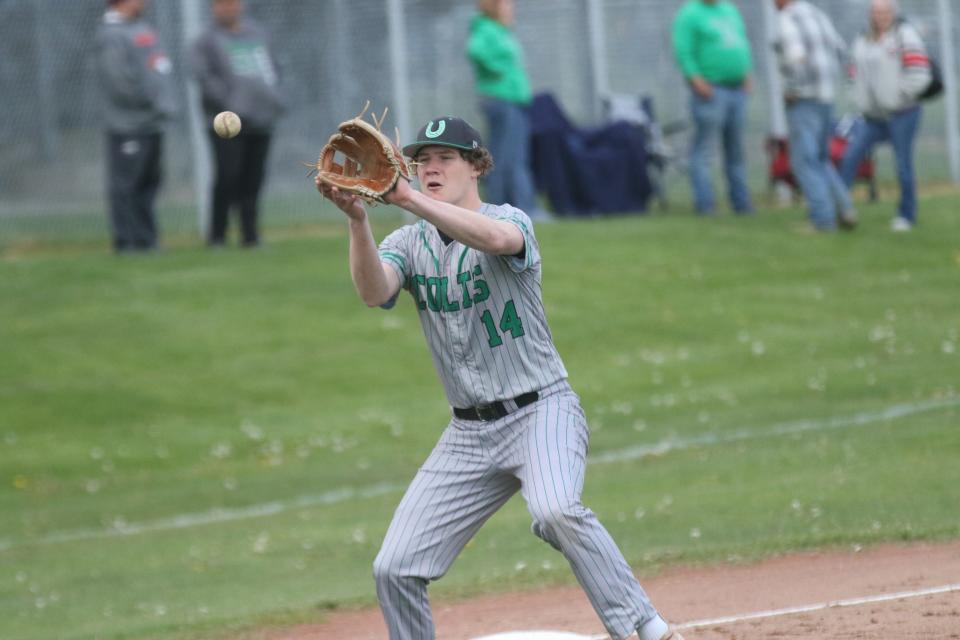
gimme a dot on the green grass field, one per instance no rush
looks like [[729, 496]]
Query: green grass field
[[195, 443]]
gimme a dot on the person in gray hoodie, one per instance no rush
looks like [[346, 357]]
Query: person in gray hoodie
[[891, 71], [235, 67], [139, 97]]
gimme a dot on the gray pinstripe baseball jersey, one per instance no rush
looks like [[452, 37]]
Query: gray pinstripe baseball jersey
[[484, 320], [482, 314]]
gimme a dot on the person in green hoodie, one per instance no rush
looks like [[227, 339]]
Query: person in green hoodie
[[504, 90], [711, 46]]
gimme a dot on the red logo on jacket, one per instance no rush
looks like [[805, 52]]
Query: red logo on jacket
[[915, 59], [145, 39]]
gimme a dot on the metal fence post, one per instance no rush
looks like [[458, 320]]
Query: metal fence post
[[192, 26], [398, 73], [398, 65], [49, 131], [949, 64], [596, 34], [778, 115]]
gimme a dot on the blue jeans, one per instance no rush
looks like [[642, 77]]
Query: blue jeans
[[811, 123], [508, 140], [901, 130], [725, 114]]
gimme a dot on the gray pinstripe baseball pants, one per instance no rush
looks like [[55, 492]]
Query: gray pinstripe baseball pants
[[474, 469]]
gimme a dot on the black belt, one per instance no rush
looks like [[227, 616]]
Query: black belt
[[496, 409]]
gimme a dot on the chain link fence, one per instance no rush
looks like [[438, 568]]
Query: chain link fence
[[337, 54]]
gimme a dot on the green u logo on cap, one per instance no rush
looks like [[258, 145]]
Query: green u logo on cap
[[433, 133]]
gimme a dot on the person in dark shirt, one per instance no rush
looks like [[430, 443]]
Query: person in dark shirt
[[236, 69]]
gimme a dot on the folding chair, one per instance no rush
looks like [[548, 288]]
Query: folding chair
[[587, 170], [778, 152], [662, 152]]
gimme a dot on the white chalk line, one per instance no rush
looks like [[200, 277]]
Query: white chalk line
[[215, 516], [820, 606], [221, 515], [783, 429]]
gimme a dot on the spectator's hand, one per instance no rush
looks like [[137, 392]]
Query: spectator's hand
[[347, 202], [748, 84], [701, 87]]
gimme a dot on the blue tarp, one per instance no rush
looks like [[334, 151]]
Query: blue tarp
[[585, 171]]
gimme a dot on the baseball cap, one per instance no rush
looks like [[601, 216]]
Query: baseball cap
[[447, 131]]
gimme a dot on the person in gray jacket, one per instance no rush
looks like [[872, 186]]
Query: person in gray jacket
[[235, 67], [891, 70], [139, 97]]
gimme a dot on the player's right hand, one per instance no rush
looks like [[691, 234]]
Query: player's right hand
[[401, 194], [349, 203]]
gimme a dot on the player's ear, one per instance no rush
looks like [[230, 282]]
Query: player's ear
[[475, 172]]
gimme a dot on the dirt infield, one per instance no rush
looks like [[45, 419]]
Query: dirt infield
[[694, 596]]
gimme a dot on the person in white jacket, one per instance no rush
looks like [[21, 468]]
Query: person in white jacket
[[891, 69]]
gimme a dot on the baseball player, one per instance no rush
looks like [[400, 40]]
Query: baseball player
[[473, 270]]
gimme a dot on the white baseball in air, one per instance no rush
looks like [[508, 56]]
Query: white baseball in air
[[226, 124]]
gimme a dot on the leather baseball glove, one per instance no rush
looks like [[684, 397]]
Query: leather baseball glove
[[371, 162]]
